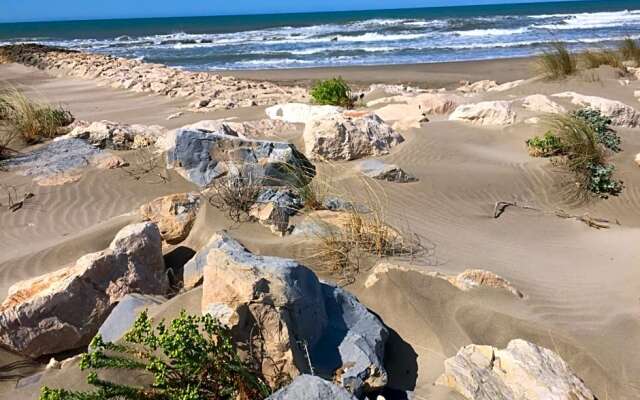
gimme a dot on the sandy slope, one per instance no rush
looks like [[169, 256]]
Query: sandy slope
[[582, 285]]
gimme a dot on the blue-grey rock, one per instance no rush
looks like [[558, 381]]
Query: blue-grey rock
[[124, 315], [308, 387], [203, 155]]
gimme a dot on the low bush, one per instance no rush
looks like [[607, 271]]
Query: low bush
[[602, 126], [595, 59], [235, 193], [192, 358], [30, 119], [630, 50], [584, 154], [334, 92], [557, 62], [548, 145]]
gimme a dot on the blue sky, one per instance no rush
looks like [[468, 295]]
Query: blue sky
[[49, 10]]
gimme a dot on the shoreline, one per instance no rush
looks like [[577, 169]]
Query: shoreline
[[434, 75]]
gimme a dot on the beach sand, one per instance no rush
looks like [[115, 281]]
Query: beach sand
[[582, 285]]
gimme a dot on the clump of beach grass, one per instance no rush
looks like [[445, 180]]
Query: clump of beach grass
[[630, 50], [557, 62], [32, 120], [594, 59], [334, 92]]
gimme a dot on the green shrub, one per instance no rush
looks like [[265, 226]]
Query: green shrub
[[601, 182], [557, 62], [630, 50], [335, 92], [595, 59], [191, 359], [33, 120], [546, 146], [602, 126]]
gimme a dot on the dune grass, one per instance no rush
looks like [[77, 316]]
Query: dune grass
[[595, 59], [334, 92], [32, 120], [630, 50], [557, 62], [584, 156]]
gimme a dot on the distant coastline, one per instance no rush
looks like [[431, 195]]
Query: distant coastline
[[338, 39]]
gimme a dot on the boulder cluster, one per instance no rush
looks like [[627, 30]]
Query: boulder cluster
[[207, 91]]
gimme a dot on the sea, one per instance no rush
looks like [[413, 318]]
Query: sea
[[399, 36]]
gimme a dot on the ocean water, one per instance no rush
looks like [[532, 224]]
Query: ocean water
[[404, 36]]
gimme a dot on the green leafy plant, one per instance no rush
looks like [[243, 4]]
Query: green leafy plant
[[335, 92], [602, 126], [601, 181], [33, 120], [546, 146], [192, 358], [557, 62]]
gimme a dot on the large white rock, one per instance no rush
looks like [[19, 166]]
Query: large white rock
[[63, 310], [341, 137], [542, 104], [301, 113], [522, 371], [621, 114], [485, 113], [114, 135]]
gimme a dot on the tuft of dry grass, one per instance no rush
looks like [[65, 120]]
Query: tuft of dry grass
[[630, 50], [595, 59], [30, 119], [235, 193], [557, 62]]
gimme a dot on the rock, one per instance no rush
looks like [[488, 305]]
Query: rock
[[124, 314], [309, 387], [521, 371], [263, 128], [361, 339], [298, 314], [620, 113], [113, 135], [636, 93], [532, 121], [109, 161], [63, 310], [477, 87], [506, 86], [387, 172], [343, 138], [637, 159], [202, 156], [485, 113], [403, 116], [174, 214], [284, 296], [301, 113], [437, 103], [543, 104], [465, 281], [57, 162], [274, 207], [175, 115]]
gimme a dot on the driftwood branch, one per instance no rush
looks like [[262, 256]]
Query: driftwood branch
[[501, 206], [592, 222]]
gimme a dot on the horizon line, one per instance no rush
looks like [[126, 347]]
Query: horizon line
[[497, 3]]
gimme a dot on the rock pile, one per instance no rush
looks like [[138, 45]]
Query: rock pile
[[116, 136], [210, 91]]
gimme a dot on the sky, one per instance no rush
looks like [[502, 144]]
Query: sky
[[53, 10]]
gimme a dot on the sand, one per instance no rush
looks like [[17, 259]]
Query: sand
[[582, 285]]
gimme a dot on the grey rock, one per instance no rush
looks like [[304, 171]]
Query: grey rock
[[124, 315], [64, 309], [387, 172], [202, 156], [307, 387], [300, 314]]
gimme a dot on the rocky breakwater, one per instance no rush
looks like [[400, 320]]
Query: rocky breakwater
[[208, 91], [64, 309]]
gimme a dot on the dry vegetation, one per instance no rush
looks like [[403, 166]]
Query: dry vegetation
[[235, 193], [27, 119], [630, 50], [557, 62], [595, 59]]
